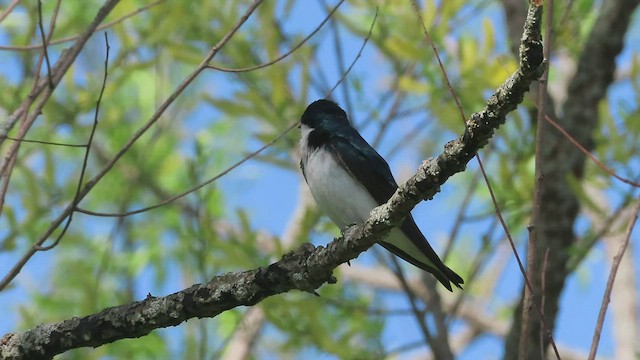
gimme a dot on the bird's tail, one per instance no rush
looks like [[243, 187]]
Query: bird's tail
[[409, 244]]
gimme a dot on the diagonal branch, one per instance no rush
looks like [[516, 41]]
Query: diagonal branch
[[606, 298], [305, 269]]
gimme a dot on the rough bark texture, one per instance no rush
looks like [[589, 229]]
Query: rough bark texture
[[559, 206], [304, 269]]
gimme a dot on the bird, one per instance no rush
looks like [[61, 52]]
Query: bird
[[348, 178]]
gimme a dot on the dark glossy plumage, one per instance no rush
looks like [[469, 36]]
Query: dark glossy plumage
[[332, 132]]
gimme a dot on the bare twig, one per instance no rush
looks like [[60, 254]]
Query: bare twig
[[529, 292], [567, 9], [606, 297], [575, 142], [457, 223], [391, 115], [562, 160], [75, 37], [5, 183], [543, 284], [592, 157], [285, 55], [394, 89], [611, 232], [601, 227], [9, 9], [479, 259], [11, 157], [85, 161], [196, 188], [54, 143], [337, 46], [44, 44], [418, 313], [364, 43], [470, 311]]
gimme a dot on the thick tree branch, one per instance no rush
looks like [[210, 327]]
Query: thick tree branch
[[308, 267]]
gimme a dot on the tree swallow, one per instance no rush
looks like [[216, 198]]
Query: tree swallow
[[348, 178]]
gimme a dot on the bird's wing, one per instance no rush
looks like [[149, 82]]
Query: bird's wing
[[364, 164]]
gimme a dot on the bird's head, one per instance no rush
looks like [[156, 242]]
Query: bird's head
[[324, 114]]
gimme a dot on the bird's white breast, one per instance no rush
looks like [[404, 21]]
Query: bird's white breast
[[342, 198], [338, 195]]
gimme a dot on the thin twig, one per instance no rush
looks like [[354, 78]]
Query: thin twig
[[567, 9], [457, 223], [390, 118], [9, 9], [583, 248], [384, 99], [85, 161], [543, 284], [575, 142], [196, 188], [593, 158], [394, 353], [283, 56], [364, 43], [529, 293], [31, 141], [418, 314], [486, 250], [75, 37], [606, 297], [5, 183], [337, 46], [44, 44], [408, 139]]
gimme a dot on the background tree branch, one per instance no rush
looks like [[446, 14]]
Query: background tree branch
[[562, 161]]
